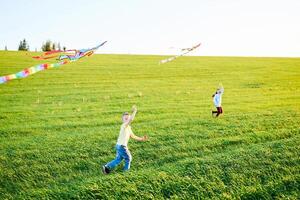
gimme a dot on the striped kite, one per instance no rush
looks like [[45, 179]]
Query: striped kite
[[64, 57], [184, 51]]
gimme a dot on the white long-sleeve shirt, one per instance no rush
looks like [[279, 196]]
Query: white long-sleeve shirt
[[218, 97]]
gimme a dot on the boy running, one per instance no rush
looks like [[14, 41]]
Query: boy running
[[217, 99], [121, 147]]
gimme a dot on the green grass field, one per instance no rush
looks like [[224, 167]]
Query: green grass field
[[59, 126]]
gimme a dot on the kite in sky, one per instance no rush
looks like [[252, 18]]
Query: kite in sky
[[184, 51], [64, 57]]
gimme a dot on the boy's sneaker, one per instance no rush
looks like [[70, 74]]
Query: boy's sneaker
[[212, 113], [105, 170]]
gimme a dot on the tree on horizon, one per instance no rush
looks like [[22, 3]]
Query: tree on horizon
[[50, 46], [47, 46], [23, 45]]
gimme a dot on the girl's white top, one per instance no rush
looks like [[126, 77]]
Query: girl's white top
[[125, 132], [218, 97]]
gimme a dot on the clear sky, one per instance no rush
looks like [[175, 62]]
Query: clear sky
[[225, 27]]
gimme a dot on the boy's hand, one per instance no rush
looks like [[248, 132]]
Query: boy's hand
[[145, 138], [134, 108]]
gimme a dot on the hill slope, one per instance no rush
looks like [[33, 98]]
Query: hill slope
[[59, 126]]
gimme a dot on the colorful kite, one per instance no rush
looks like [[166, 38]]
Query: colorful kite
[[73, 54], [53, 54], [184, 51], [65, 57]]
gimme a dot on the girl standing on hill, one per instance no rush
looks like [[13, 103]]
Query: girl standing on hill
[[217, 100]]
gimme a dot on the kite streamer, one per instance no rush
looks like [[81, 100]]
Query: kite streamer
[[64, 59], [53, 54], [185, 51]]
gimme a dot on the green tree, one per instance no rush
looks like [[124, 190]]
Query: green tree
[[43, 47], [53, 46], [47, 46], [23, 46], [20, 46]]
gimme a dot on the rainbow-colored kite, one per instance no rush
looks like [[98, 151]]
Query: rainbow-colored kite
[[64, 57]]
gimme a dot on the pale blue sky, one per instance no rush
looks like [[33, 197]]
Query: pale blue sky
[[225, 27]]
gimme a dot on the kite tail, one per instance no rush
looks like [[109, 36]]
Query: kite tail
[[31, 70], [54, 53], [65, 59], [186, 51], [167, 60]]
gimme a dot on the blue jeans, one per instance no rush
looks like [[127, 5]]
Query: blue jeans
[[122, 153]]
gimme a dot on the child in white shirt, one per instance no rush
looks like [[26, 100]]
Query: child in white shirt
[[217, 99]]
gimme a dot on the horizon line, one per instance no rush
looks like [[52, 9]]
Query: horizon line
[[149, 54]]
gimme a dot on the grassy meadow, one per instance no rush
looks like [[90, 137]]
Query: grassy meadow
[[59, 126]]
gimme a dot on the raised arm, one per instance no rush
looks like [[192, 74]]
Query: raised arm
[[222, 90], [132, 116]]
